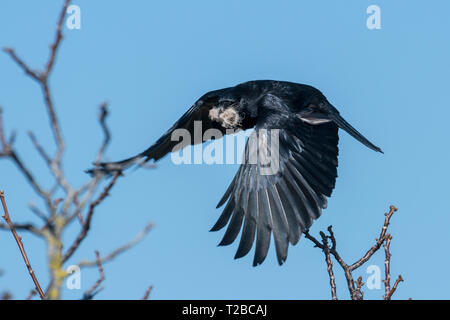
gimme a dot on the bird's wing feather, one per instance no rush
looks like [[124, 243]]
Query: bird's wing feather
[[324, 112], [164, 145], [286, 202]]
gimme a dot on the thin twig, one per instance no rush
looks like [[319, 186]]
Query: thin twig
[[333, 251], [60, 216], [90, 187], [147, 293], [326, 250], [387, 265], [39, 148], [58, 37], [87, 223], [37, 212], [359, 285], [23, 65], [120, 249], [316, 242], [399, 279], [22, 226], [8, 151], [355, 291], [42, 80], [379, 241], [90, 293], [20, 244]]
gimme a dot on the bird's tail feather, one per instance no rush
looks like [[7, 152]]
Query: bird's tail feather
[[336, 117]]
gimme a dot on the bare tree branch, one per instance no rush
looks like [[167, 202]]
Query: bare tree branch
[[333, 251], [379, 241], [89, 188], [42, 80], [399, 279], [87, 224], [147, 293], [326, 250], [387, 265], [80, 202], [38, 212], [22, 226], [58, 37], [20, 244], [91, 292], [355, 291], [28, 71], [39, 148], [8, 152], [359, 284], [109, 257]]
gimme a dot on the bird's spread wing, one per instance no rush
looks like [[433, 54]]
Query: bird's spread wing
[[199, 113], [281, 199]]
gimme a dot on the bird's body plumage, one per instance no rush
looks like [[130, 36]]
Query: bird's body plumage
[[303, 126]]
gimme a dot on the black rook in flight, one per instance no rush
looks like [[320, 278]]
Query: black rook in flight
[[286, 201]]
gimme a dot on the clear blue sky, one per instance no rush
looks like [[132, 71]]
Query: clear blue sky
[[151, 61]]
